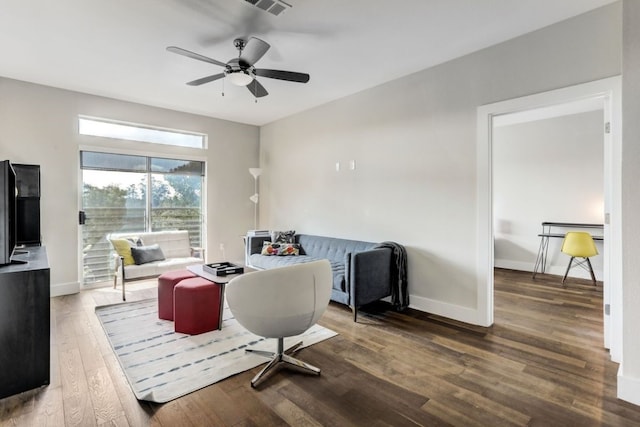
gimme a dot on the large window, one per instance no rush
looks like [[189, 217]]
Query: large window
[[129, 193]]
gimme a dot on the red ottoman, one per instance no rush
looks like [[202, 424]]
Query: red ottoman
[[166, 283], [196, 306]]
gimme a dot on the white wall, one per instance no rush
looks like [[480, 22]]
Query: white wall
[[414, 143], [38, 125], [629, 375], [547, 170]]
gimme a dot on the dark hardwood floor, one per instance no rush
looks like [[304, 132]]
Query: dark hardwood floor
[[542, 363]]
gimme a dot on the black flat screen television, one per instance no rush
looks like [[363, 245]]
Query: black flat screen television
[[8, 225]]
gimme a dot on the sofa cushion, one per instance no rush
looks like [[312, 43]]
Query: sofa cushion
[[266, 262], [331, 248], [158, 267], [339, 281], [174, 244], [147, 254]]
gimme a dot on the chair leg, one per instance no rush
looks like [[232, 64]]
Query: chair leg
[[281, 356], [124, 298], [567, 272], [593, 276]]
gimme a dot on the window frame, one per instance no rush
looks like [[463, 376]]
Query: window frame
[[158, 130]]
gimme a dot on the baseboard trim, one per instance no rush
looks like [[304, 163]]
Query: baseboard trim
[[60, 289], [628, 388], [451, 311], [557, 270]]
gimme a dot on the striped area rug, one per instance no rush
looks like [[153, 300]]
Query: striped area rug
[[162, 365]]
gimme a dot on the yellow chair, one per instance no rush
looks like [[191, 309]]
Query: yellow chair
[[579, 244]]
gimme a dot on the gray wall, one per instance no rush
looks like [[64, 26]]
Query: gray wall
[[38, 125], [414, 143], [547, 170]]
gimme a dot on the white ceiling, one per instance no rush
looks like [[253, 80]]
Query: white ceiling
[[116, 48]]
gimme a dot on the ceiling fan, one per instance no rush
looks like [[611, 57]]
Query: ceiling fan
[[241, 71]]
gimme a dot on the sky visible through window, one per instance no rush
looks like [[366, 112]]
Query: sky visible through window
[[132, 132]]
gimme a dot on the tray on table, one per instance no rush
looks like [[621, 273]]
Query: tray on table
[[223, 268]]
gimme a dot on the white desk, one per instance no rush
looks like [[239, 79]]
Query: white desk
[[548, 229]]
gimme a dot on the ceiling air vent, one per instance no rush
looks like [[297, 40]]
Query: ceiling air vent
[[274, 7]]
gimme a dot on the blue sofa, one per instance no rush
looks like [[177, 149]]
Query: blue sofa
[[361, 270]]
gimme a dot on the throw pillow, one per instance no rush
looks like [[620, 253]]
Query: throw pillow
[[283, 236], [123, 248], [146, 254], [135, 241], [280, 249]]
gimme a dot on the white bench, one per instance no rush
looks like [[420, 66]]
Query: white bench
[[175, 246]]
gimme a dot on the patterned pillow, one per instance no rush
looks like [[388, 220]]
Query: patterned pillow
[[280, 249], [283, 236]]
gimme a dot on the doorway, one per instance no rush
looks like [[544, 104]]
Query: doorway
[[609, 91], [547, 166]]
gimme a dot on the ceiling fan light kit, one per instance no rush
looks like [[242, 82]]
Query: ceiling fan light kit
[[239, 78], [241, 71]]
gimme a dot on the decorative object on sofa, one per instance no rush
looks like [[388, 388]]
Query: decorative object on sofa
[[146, 254], [161, 364], [399, 287], [174, 245], [241, 71], [288, 236], [280, 249], [280, 303], [123, 248], [362, 271], [255, 172]]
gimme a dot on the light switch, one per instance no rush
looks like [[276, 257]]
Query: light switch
[[352, 165], [337, 166]]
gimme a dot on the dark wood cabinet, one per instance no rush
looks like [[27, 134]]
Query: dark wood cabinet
[[25, 322]]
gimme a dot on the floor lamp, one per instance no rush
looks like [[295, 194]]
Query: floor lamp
[[255, 172]]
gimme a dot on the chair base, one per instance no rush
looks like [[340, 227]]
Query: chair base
[[589, 268], [281, 358]]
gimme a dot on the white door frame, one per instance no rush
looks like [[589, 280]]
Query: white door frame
[[610, 90]]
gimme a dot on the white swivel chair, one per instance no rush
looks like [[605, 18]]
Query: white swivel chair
[[279, 303]]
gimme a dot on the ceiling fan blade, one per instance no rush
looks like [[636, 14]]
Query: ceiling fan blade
[[290, 76], [254, 50], [194, 55], [257, 89], [207, 79]]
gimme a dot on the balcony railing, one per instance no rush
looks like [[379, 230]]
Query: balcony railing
[[97, 252]]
